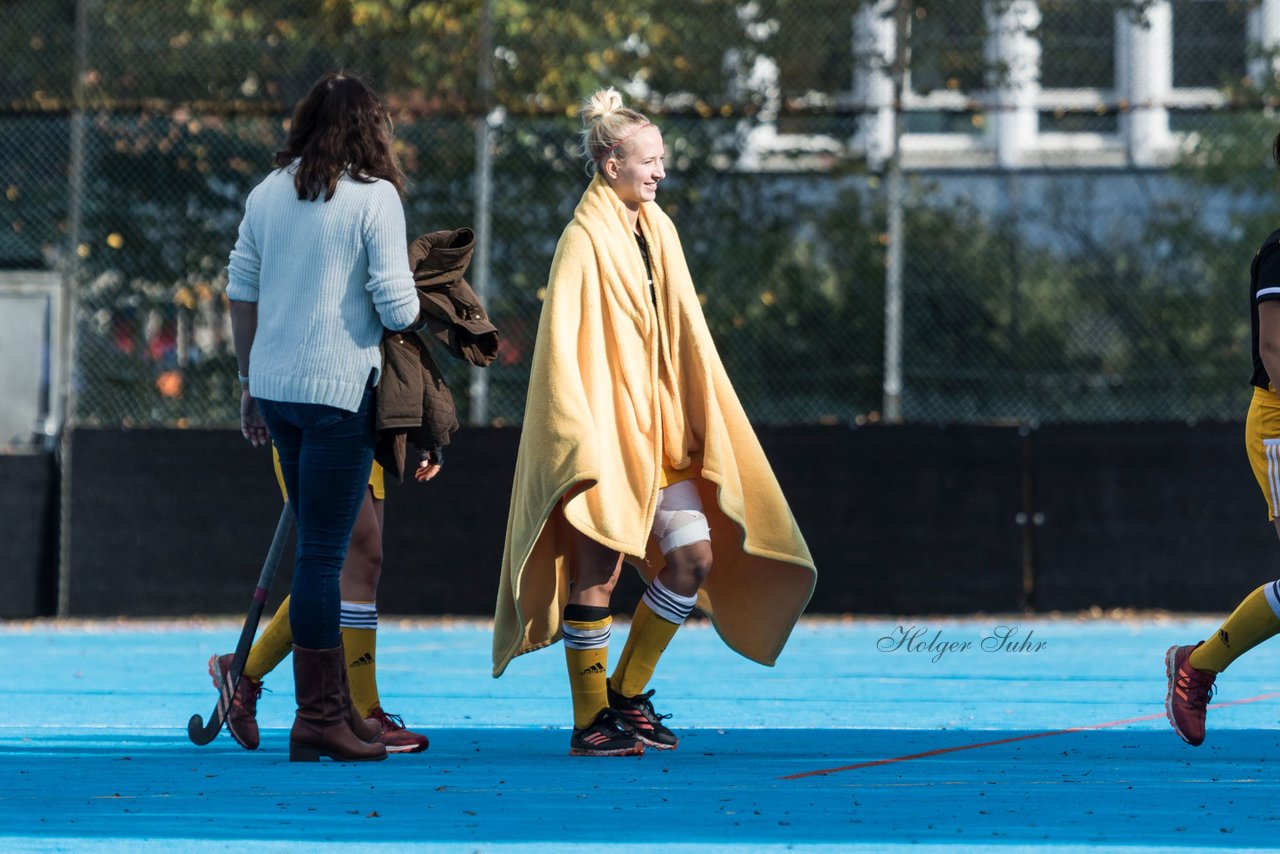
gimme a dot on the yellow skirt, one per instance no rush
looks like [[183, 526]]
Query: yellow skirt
[[1262, 440]]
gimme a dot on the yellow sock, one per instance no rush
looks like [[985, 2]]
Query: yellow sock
[[275, 642], [362, 668], [645, 644], [1250, 624], [587, 668]]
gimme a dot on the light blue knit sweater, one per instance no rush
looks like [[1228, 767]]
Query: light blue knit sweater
[[327, 278]]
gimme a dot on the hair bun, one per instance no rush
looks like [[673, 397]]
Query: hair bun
[[601, 105], [606, 126]]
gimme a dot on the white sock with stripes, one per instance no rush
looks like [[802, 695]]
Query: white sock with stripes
[[358, 615], [670, 606], [593, 638]]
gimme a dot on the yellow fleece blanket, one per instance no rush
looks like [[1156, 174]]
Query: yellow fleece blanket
[[618, 385]]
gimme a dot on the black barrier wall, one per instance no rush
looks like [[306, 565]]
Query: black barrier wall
[[901, 520], [28, 535], [906, 519], [168, 522], [1149, 516]]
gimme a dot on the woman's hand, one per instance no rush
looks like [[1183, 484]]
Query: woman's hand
[[252, 427], [429, 466]]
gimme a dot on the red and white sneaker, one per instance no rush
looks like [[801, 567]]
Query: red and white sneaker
[[242, 716], [394, 736], [1189, 693]]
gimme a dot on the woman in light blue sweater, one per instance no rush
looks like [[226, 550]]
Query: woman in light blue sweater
[[319, 270]]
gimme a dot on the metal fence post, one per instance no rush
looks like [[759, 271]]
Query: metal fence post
[[892, 409], [479, 387], [64, 405]]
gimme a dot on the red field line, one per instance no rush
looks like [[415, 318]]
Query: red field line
[[1029, 736]]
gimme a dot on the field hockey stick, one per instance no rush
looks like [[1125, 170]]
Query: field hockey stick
[[197, 730]]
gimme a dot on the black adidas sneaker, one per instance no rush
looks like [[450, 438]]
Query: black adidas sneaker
[[637, 712], [607, 735]]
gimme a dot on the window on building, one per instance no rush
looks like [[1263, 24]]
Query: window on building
[[811, 48], [1077, 44], [1078, 52], [948, 41], [1210, 42], [947, 46], [815, 63]]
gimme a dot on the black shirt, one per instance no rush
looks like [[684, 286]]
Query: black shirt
[[648, 266], [1264, 282]]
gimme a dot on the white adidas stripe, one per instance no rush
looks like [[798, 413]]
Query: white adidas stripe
[[1272, 448]]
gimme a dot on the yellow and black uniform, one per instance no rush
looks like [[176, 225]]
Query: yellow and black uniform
[[1262, 427], [1257, 617]]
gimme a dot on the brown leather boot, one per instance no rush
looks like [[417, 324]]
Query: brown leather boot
[[367, 731], [320, 727]]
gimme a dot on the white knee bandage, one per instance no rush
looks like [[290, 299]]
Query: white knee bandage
[[679, 520]]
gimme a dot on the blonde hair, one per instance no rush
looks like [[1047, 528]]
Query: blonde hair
[[606, 127]]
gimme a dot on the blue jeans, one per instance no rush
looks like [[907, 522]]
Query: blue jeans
[[325, 454]]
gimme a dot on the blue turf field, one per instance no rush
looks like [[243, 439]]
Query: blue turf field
[[94, 754]]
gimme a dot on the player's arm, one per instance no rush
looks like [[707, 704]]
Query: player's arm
[[429, 465], [244, 328], [1269, 338], [1267, 294]]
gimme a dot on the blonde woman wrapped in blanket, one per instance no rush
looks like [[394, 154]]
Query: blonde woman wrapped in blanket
[[635, 449]]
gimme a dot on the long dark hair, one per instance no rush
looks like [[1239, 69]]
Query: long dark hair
[[340, 127]]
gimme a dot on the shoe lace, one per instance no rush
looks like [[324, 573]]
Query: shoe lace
[[252, 690], [1200, 687], [645, 702], [610, 721], [395, 721]]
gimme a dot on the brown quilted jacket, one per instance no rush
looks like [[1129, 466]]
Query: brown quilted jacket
[[413, 402]]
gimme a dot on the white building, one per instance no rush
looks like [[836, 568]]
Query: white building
[[1123, 94]]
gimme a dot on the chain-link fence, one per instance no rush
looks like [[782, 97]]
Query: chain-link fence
[[1049, 216]]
